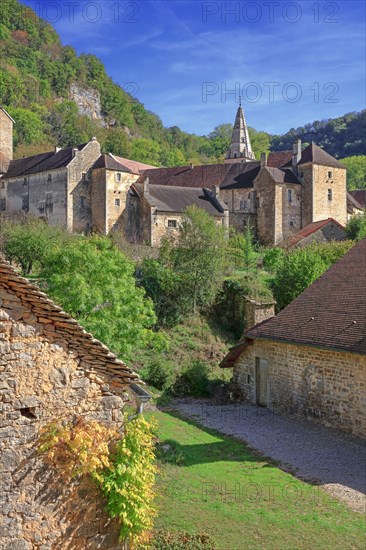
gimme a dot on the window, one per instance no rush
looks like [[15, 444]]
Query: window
[[172, 224], [301, 174], [117, 202], [243, 204], [248, 378], [330, 175], [25, 181], [291, 223], [289, 195], [49, 178], [330, 194], [118, 176], [82, 202], [2, 205], [83, 176]]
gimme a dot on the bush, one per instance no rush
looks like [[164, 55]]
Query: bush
[[272, 258], [159, 373], [356, 227], [169, 540], [193, 380]]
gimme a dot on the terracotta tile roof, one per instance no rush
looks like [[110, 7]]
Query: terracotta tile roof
[[359, 195], [110, 163], [42, 162], [227, 176], [133, 165], [92, 353], [330, 313], [283, 175], [314, 153], [176, 199], [277, 159], [309, 230]]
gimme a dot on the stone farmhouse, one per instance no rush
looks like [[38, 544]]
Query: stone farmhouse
[[83, 190], [310, 359], [50, 370]]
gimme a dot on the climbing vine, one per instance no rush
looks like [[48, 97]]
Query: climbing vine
[[123, 469]]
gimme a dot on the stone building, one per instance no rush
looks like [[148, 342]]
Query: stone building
[[310, 359], [83, 190], [51, 370], [317, 232], [158, 209]]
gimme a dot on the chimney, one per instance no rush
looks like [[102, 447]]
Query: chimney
[[145, 188], [256, 312], [216, 191], [75, 151], [296, 153], [57, 149], [263, 160]]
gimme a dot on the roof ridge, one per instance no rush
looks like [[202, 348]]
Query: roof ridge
[[91, 351]]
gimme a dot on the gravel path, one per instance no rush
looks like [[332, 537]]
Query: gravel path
[[311, 452]]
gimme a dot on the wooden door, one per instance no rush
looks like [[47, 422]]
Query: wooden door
[[261, 381]]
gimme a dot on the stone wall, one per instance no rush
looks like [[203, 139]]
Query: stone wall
[[98, 200], [79, 212], [6, 136], [117, 187], [329, 178], [42, 380], [330, 232], [43, 195], [288, 219], [322, 385], [316, 205], [265, 207]]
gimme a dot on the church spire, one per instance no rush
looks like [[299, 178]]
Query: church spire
[[240, 148]]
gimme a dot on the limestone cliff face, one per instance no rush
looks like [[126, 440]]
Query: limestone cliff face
[[88, 102]]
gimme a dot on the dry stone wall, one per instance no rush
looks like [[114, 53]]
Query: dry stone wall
[[50, 370]]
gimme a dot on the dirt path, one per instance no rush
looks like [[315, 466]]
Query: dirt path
[[311, 452]]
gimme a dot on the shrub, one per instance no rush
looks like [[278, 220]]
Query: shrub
[[193, 380], [356, 227], [159, 373], [272, 258], [169, 540]]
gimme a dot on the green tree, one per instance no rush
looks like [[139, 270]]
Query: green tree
[[118, 143], [198, 256], [356, 172], [301, 267], [95, 283], [28, 240], [356, 227], [29, 127]]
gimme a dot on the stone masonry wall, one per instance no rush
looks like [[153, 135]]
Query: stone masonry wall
[[43, 380], [322, 385], [79, 213], [6, 136], [42, 194]]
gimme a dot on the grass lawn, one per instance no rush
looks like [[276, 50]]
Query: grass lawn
[[215, 484]]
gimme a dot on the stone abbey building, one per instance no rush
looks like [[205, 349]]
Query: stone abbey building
[[83, 190]]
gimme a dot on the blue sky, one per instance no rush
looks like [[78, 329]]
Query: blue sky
[[293, 62]]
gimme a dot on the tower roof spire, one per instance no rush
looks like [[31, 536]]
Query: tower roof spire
[[240, 148]]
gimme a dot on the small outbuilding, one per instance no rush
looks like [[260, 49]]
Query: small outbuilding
[[310, 359]]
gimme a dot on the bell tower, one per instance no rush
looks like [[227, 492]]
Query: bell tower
[[240, 148]]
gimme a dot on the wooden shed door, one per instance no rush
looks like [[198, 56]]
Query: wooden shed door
[[261, 381]]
